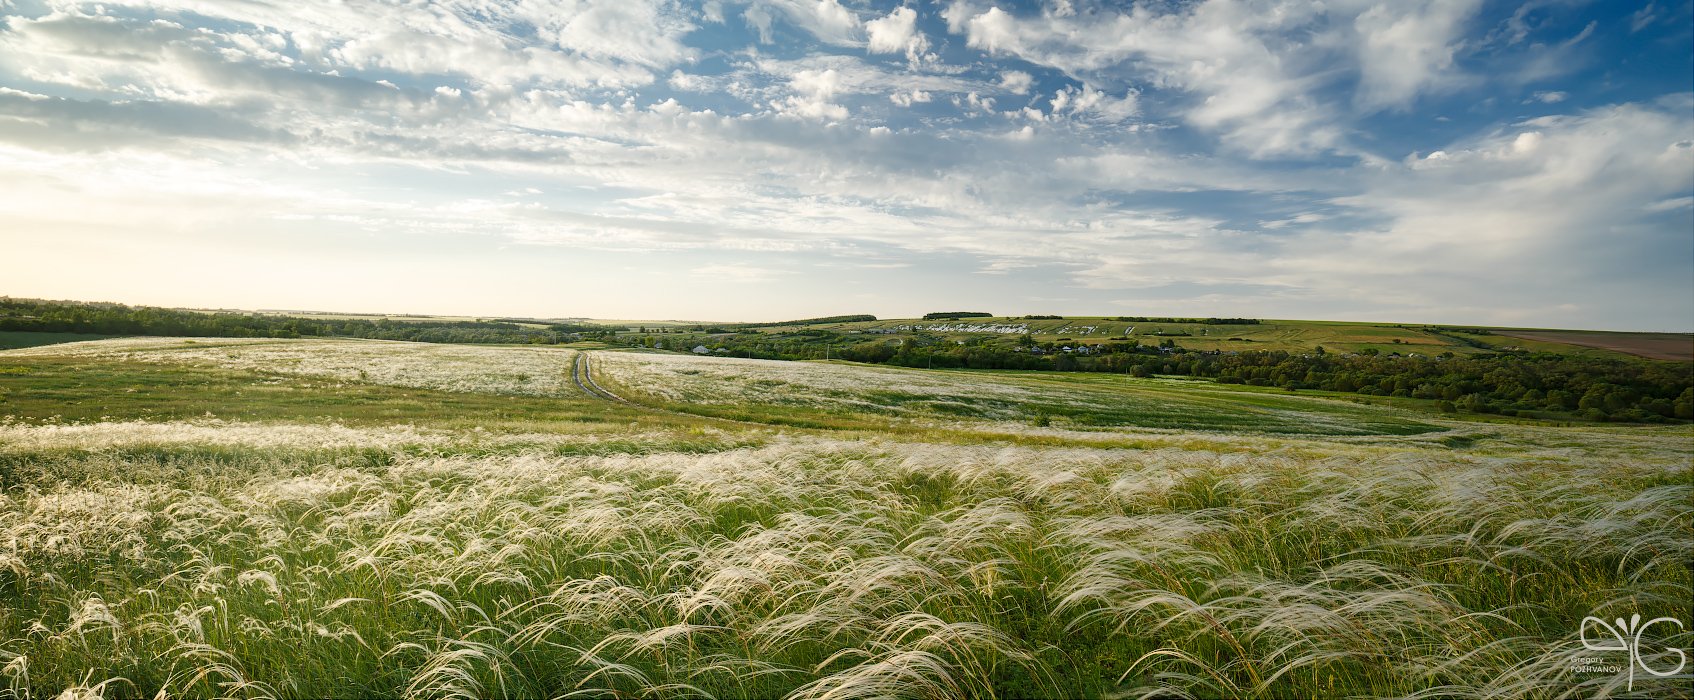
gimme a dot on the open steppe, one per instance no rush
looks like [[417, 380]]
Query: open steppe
[[293, 518]]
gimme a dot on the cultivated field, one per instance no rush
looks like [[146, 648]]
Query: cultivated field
[[365, 518], [1658, 346]]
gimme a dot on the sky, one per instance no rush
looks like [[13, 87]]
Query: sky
[[1438, 161]]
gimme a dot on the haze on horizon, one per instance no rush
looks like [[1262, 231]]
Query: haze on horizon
[[1449, 161]]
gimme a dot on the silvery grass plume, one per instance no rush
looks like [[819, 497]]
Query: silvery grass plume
[[1250, 567]]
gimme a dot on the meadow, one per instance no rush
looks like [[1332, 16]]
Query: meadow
[[308, 518]]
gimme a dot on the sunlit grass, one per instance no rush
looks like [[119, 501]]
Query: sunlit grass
[[821, 568], [841, 395]]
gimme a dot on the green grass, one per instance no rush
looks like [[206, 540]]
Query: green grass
[[1017, 574], [1082, 401]]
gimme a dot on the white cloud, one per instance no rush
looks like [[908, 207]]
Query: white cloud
[[1521, 205], [1407, 49], [154, 60], [712, 11], [1253, 73], [907, 99], [817, 83], [956, 14], [974, 104], [897, 33], [1301, 219], [690, 83], [825, 20], [1016, 82], [814, 91], [499, 122], [994, 30], [1088, 102], [858, 76], [1671, 204]]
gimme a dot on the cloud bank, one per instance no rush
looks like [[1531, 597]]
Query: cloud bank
[[1447, 160]]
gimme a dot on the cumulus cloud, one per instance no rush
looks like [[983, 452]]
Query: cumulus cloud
[[897, 33], [1540, 205], [907, 99], [814, 91], [1085, 101], [1557, 180]]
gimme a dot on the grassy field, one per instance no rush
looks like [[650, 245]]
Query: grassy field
[[363, 518], [819, 394]]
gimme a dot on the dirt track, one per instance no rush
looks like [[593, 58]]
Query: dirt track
[[585, 381]]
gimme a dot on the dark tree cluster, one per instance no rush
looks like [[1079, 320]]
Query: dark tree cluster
[[855, 318], [949, 315], [1509, 383], [1207, 321]]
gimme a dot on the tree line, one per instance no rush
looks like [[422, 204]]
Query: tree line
[[118, 319]]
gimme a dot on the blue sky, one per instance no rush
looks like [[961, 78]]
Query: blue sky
[[1512, 163]]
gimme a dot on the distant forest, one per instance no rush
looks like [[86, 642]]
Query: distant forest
[[118, 319]]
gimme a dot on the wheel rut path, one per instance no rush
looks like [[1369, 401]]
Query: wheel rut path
[[585, 380]]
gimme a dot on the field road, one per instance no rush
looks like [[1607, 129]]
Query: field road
[[585, 381]]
